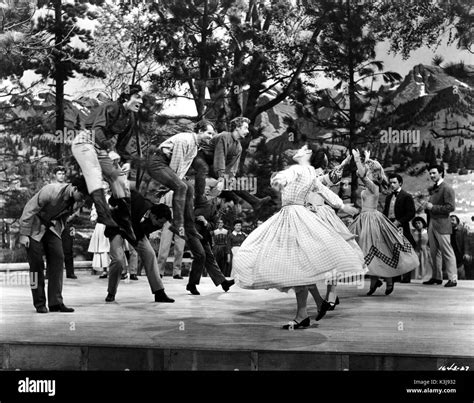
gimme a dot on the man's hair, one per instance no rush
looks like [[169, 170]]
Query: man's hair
[[458, 221], [237, 222], [132, 89], [238, 122], [438, 167], [80, 183], [397, 177], [161, 211], [201, 126], [59, 168]]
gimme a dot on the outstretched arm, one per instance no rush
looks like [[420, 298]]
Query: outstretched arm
[[362, 171], [327, 194]]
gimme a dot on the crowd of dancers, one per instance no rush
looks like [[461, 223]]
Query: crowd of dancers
[[303, 244]]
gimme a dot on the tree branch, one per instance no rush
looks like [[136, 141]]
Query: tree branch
[[292, 82]]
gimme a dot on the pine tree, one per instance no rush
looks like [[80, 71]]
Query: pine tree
[[453, 165], [415, 156], [422, 151], [431, 157], [63, 60], [446, 154], [470, 158], [387, 161], [396, 156], [465, 156], [428, 151]]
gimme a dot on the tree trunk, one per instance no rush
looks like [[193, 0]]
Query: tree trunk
[[352, 116], [203, 68], [59, 77]]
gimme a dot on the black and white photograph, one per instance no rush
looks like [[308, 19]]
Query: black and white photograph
[[251, 189]]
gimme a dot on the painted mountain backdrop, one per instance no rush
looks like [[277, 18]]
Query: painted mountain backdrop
[[436, 101]]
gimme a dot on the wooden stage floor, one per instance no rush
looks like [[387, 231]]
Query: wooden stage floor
[[416, 328]]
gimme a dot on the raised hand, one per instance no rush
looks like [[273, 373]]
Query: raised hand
[[126, 167], [367, 155], [356, 154], [347, 159]]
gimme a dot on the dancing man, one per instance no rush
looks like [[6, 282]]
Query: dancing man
[[41, 225], [221, 157], [203, 257], [400, 209], [93, 147], [169, 165], [146, 218]]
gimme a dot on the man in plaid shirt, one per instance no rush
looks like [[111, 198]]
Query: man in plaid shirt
[[221, 157], [169, 165]]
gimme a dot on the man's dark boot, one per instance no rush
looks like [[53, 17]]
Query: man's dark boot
[[103, 210], [160, 296], [125, 220]]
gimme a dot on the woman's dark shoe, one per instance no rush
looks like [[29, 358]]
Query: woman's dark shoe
[[372, 289], [42, 309], [333, 304], [324, 308], [133, 277], [103, 275], [295, 325], [389, 289]]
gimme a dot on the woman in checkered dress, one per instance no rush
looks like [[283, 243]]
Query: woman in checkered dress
[[294, 248], [324, 209], [387, 252]]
